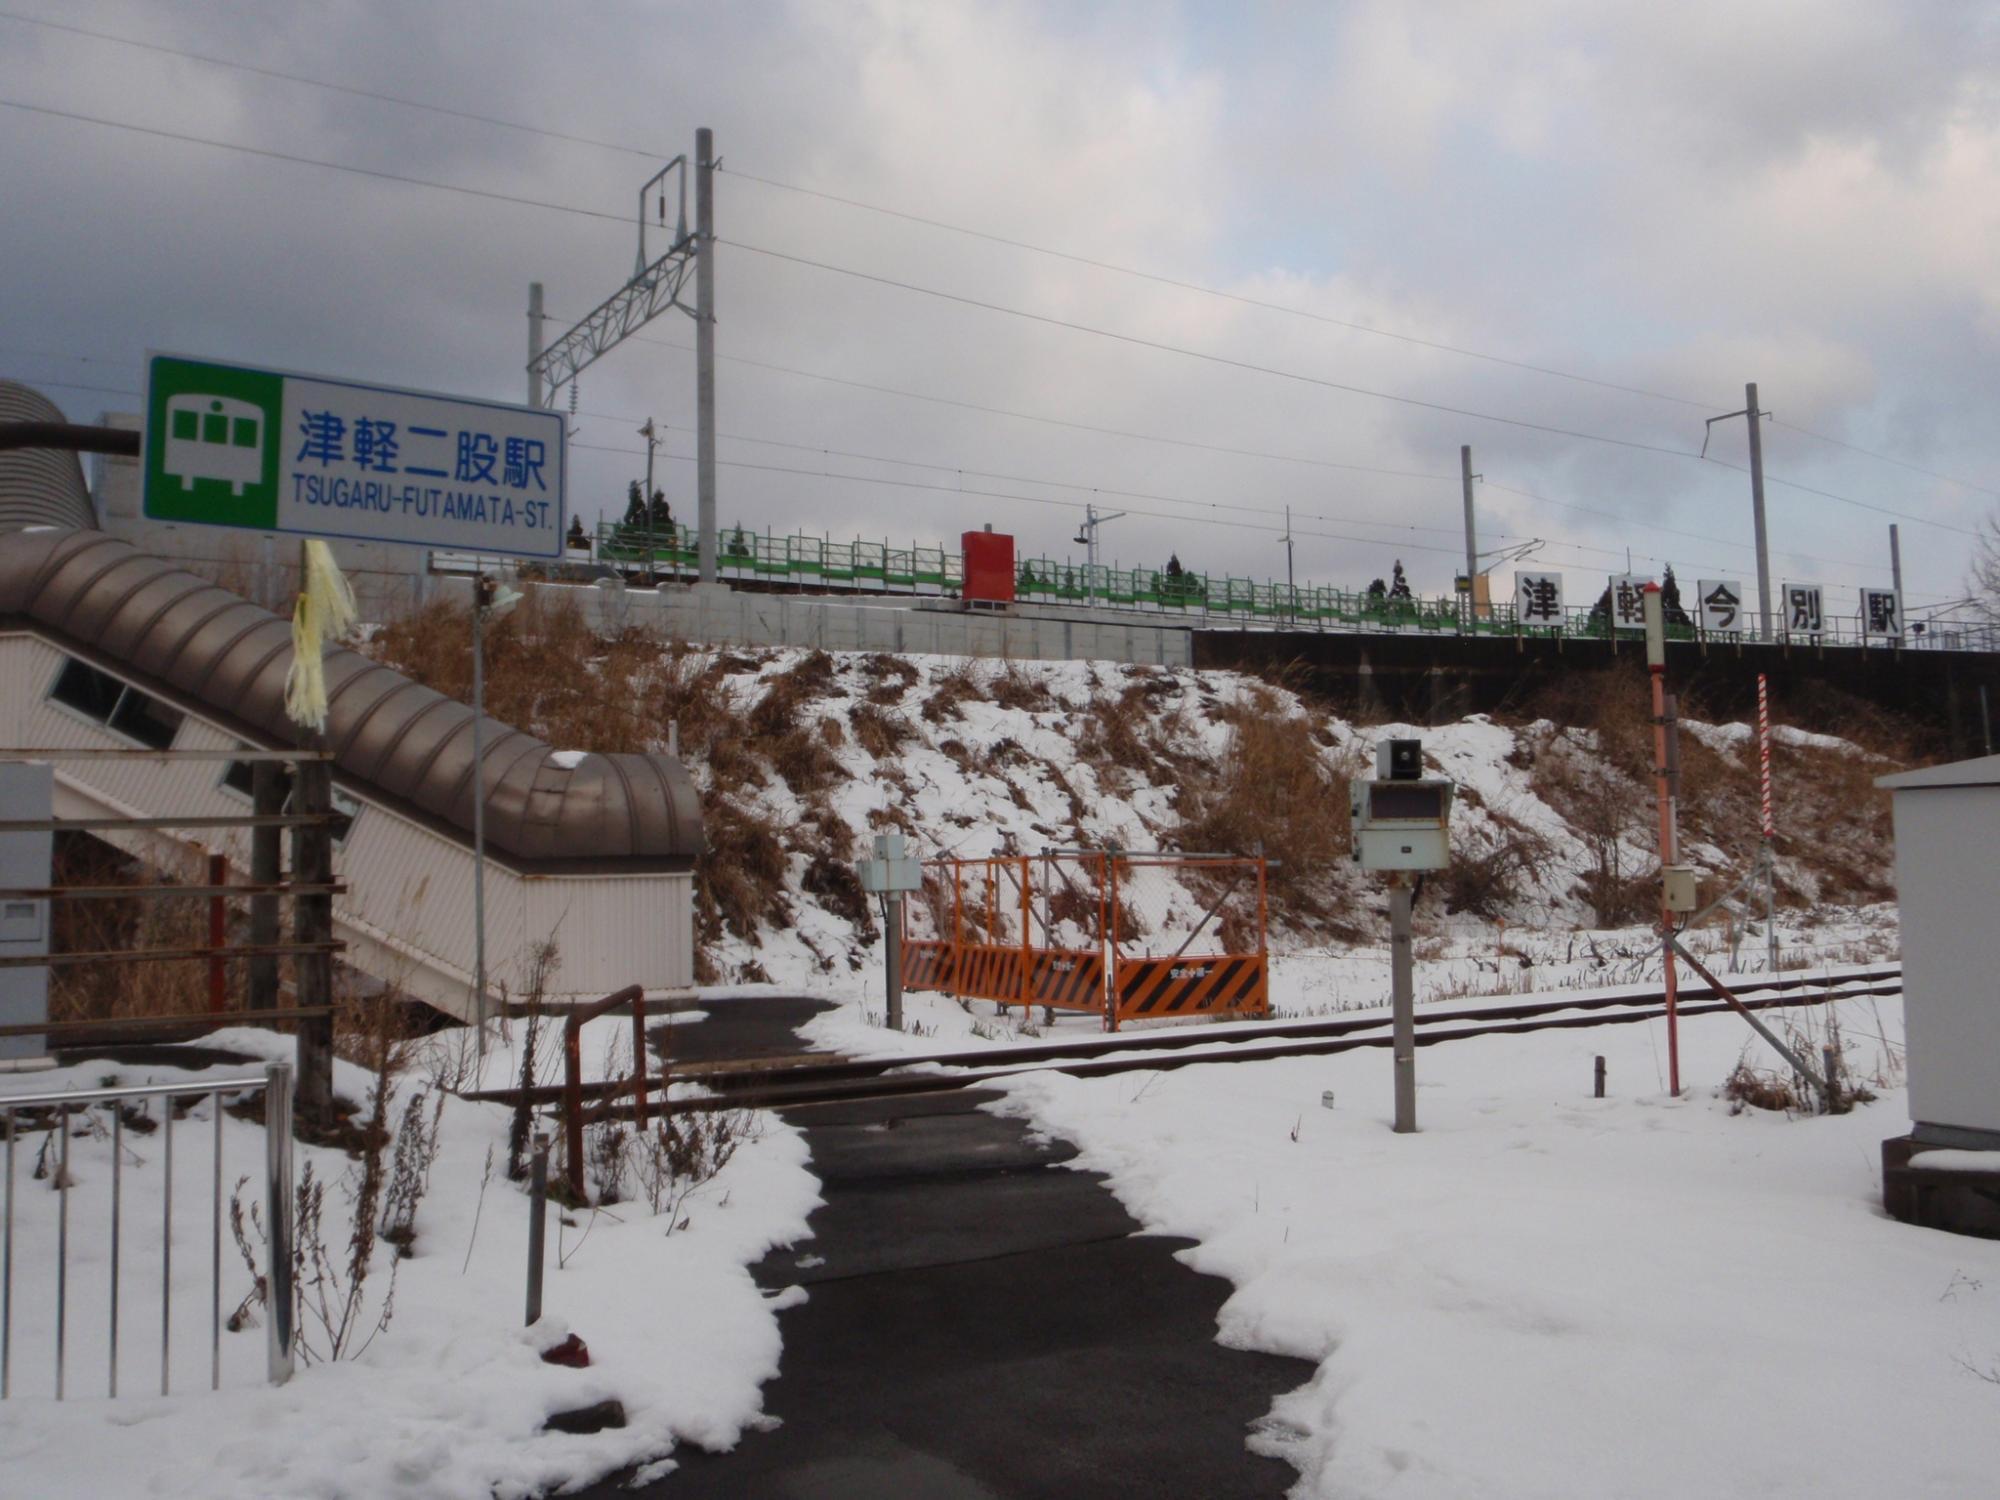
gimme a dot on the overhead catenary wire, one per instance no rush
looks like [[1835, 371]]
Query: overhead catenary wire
[[1135, 340], [655, 154], [1251, 366]]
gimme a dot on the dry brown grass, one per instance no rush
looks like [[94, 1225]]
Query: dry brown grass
[[959, 684], [1275, 791]]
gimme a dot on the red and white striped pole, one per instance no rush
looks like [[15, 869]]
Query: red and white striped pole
[[1656, 669], [1770, 827], [1764, 751]]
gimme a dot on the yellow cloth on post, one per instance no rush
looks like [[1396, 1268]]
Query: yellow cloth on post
[[325, 611]]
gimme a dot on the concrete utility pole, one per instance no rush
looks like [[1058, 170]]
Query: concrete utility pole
[[1754, 417], [1471, 536], [1896, 577], [704, 346], [1402, 1002], [535, 344], [1291, 586]]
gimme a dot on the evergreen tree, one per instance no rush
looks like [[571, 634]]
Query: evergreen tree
[[661, 514], [1174, 568], [1378, 590], [635, 508], [1670, 600], [1399, 586]]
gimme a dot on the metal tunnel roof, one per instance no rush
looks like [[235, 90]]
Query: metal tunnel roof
[[39, 486], [393, 739]]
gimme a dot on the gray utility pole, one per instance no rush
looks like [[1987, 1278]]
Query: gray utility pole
[[652, 441], [1291, 588], [1471, 535], [704, 346], [534, 343], [1755, 417], [1473, 541], [1402, 1002], [1896, 577], [892, 927]]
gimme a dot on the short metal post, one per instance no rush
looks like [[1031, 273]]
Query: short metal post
[[117, 1183], [538, 1212], [278, 1211], [1832, 1075], [215, 1258], [1597, 1080], [166, 1238], [62, 1247], [1402, 999], [7, 1271], [894, 922]]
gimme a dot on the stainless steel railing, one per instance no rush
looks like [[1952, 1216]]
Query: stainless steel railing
[[276, 1084]]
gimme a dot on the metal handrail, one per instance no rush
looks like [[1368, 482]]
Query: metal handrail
[[276, 1083]]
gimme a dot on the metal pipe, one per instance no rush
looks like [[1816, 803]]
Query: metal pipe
[[215, 1259], [117, 1165], [138, 1091], [62, 1249], [278, 1211], [167, 1247], [7, 1271]]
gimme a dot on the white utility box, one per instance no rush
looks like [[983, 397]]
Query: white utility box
[[891, 871], [1947, 827], [1401, 821]]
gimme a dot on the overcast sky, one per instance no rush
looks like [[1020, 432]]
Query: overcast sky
[[1673, 199]]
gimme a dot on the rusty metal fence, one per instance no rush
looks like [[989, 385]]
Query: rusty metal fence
[[1123, 936]]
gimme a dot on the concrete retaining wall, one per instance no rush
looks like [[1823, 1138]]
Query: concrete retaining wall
[[720, 615]]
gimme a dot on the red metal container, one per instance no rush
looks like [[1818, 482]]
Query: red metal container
[[989, 566]]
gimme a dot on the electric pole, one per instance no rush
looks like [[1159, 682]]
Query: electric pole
[[704, 346], [652, 442], [1896, 577], [1751, 413], [1763, 538], [535, 344], [1291, 588], [1471, 536]]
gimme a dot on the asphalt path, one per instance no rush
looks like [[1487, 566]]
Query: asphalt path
[[982, 1322]]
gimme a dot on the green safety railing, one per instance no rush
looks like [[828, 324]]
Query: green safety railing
[[809, 561]]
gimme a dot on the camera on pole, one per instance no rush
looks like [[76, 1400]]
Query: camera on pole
[[1401, 827]]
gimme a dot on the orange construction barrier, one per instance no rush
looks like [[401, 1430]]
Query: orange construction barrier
[[1111, 934]]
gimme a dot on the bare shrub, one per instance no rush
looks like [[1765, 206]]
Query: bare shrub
[[889, 677], [949, 689], [881, 733], [1011, 687], [682, 1153], [1487, 882], [742, 873], [1273, 792]]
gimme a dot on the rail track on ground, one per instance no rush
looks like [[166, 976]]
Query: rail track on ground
[[828, 1078]]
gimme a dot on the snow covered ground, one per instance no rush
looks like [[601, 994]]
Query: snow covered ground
[[450, 1399], [1543, 1294]]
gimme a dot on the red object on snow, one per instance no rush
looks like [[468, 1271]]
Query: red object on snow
[[989, 566], [572, 1351]]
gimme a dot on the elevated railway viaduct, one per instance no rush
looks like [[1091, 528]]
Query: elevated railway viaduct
[[1433, 678]]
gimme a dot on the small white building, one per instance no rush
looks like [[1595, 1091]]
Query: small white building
[[1947, 837]]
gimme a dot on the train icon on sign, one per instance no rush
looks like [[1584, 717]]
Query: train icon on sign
[[214, 437]]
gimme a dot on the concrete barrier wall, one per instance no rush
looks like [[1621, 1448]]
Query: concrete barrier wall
[[720, 615]]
